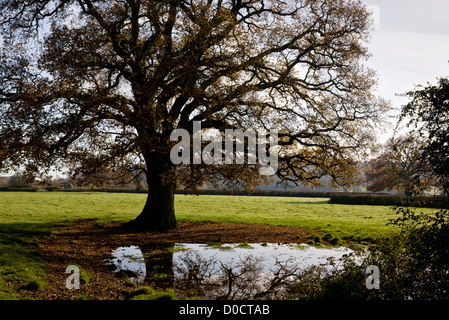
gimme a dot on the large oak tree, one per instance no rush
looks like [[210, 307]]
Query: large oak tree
[[96, 86]]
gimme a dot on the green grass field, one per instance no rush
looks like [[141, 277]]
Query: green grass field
[[42, 210], [27, 216]]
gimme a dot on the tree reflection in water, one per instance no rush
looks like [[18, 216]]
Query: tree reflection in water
[[227, 271], [212, 279], [256, 271]]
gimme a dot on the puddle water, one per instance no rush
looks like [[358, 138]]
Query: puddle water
[[129, 262], [224, 271], [251, 271], [269, 255]]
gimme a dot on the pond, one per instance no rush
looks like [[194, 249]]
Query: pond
[[222, 271]]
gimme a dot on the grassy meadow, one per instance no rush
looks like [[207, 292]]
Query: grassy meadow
[[27, 216], [42, 210]]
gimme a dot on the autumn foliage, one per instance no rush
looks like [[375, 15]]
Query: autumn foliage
[[98, 86]]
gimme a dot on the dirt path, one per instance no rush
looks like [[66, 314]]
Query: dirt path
[[87, 244]]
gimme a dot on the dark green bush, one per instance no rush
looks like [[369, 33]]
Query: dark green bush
[[388, 200], [338, 283], [414, 265]]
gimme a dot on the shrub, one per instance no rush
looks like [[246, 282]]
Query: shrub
[[413, 265], [388, 200], [339, 283]]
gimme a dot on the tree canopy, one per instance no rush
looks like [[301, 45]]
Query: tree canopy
[[428, 115], [397, 167], [95, 86]]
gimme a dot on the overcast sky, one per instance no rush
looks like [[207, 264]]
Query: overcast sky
[[410, 45]]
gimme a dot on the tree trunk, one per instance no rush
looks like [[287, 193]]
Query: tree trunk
[[158, 213]]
